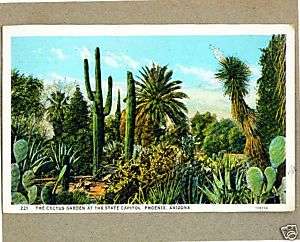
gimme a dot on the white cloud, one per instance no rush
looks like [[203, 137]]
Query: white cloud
[[202, 74], [203, 100], [84, 53], [118, 60], [58, 53]]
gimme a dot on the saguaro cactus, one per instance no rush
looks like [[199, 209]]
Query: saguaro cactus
[[130, 116], [98, 110], [118, 117]]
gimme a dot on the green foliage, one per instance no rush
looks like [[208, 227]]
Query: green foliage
[[167, 192], [64, 157], [130, 116], [56, 112], [235, 75], [99, 111], [28, 179], [20, 149], [199, 123], [77, 113], [226, 186], [18, 198], [223, 136], [32, 193], [15, 177], [255, 180], [118, 118], [271, 90], [26, 94], [277, 151], [76, 197], [159, 98], [46, 193], [191, 176], [148, 167], [30, 161], [263, 188], [270, 174]]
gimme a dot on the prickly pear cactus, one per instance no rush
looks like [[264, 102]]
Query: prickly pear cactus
[[46, 194], [270, 174], [277, 151], [18, 198], [20, 150], [255, 180], [28, 179], [32, 194], [15, 177]]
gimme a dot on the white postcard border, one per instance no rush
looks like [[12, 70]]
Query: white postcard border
[[144, 30]]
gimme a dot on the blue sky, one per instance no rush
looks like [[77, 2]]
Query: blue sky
[[190, 58]]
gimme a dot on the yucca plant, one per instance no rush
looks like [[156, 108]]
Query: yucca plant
[[234, 75]]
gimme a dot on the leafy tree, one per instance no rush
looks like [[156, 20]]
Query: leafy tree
[[235, 77], [271, 90], [77, 113], [26, 106], [26, 94], [159, 99], [77, 132], [110, 129], [223, 136], [199, 123]]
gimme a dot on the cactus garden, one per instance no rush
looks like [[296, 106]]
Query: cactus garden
[[150, 132]]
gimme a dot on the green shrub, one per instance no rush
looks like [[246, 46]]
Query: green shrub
[[149, 166]]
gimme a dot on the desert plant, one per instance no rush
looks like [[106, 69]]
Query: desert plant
[[48, 192], [99, 111], [130, 116], [270, 105], [56, 112], [235, 74], [159, 98], [63, 156], [262, 184], [29, 161], [118, 118], [227, 185], [167, 192], [149, 166]]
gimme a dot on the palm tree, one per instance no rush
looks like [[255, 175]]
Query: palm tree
[[159, 99], [56, 111], [235, 77]]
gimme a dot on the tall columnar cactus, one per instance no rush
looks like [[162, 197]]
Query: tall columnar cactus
[[130, 116], [261, 185], [99, 111], [118, 117]]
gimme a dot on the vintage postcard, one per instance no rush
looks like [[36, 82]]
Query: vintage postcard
[[148, 118]]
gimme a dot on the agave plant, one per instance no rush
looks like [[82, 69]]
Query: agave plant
[[63, 156], [227, 186]]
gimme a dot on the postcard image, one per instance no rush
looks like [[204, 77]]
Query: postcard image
[[148, 118]]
